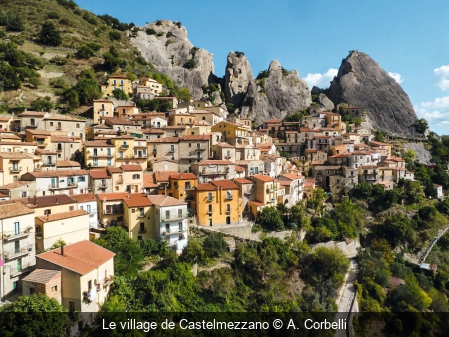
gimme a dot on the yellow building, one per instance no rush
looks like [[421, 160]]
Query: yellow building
[[110, 208], [181, 119], [130, 151], [155, 86], [218, 203], [15, 164], [99, 153], [102, 108], [117, 82], [267, 190], [138, 216], [87, 270], [70, 227], [233, 133]]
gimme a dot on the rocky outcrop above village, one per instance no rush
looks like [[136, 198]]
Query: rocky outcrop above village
[[273, 96], [362, 82], [165, 45]]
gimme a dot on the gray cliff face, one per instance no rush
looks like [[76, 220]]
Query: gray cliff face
[[362, 82], [325, 102], [170, 51], [273, 97]]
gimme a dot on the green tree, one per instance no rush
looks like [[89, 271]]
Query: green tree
[[120, 94], [349, 219], [270, 219], [183, 95], [317, 200], [12, 21], [398, 229], [325, 269], [214, 245], [34, 315], [87, 90], [363, 190], [193, 252], [421, 125], [50, 35], [42, 104], [190, 64]]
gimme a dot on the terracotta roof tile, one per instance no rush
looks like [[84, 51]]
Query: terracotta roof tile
[[148, 181], [67, 163], [206, 187], [225, 184], [112, 196], [162, 176], [42, 276], [216, 162], [65, 173], [292, 176], [81, 257], [99, 174], [194, 137], [262, 177], [131, 168], [163, 200], [62, 216], [42, 201], [85, 197], [183, 176], [13, 210], [243, 181], [137, 200]]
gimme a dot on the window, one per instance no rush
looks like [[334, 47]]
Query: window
[[16, 228], [71, 208], [32, 122], [51, 123], [136, 176], [210, 208], [228, 207], [54, 288], [167, 214], [142, 213], [209, 196], [172, 148], [47, 212], [95, 161], [142, 227], [89, 285], [77, 125], [187, 186], [108, 162], [180, 213], [81, 179]]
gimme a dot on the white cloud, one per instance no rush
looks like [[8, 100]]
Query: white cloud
[[435, 112], [321, 80], [397, 77], [441, 77]]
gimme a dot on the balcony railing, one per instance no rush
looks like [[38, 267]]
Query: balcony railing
[[108, 280], [114, 211], [228, 197], [103, 185], [140, 155], [125, 146], [119, 182], [14, 254], [15, 169], [200, 148], [9, 236], [174, 217], [142, 231], [25, 268], [72, 184]]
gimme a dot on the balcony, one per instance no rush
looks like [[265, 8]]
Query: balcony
[[229, 197], [117, 210], [174, 217], [108, 280], [15, 169], [49, 163], [171, 150], [119, 182], [15, 254], [200, 148], [125, 146], [17, 271], [10, 236], [248, 192], [210, 199], [142, 231], [228, 212], [72, 184], [102, 186], [140, 155]]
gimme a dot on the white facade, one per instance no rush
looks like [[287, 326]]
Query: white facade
[[17, 252], [70, 184], [91, 208], [171, 222], [158, 122]]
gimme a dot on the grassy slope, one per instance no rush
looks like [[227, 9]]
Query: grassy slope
[[74, 34]]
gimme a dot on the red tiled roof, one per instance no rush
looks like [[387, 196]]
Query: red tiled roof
[[163, 201], [148, 181], [85, 197], [62, 216], [195, 137], [162, 176], [292, 176], [262, 177], [131, 168], [225, 184], [81, 257], [243, 181], [183, 176], [137, 200], [65, 173], [112, 169], [13, 210], [206, 187], [165, 140], [99, 174], [112, 196]]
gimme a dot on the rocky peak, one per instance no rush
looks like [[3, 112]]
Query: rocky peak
[[362, 82], [169, 48], [238, 78]]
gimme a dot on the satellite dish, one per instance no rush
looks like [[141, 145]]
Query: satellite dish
[[40, 163]]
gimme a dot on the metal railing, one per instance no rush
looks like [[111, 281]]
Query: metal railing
[[125, 146], [174, 217], [16, 253], [114, 211], [8, 236], [16, 271]]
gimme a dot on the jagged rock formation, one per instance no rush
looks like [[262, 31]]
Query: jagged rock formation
[[170, 51], [274, 96], [325, 102], [362, 82]]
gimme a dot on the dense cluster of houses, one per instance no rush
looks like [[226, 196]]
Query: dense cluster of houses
[[63, 180]]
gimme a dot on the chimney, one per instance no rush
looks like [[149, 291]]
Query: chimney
[[56, 201], [62, 251], [35, 202]]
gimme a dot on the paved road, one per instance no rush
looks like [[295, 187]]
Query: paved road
[[347, 294]]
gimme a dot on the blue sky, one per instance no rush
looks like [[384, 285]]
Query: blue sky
[[409, 39]]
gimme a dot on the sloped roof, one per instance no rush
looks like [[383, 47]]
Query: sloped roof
[[81, 257], [62, 215], [163, 200], [14, 209]]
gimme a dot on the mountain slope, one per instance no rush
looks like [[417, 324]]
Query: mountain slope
[[362, 82]]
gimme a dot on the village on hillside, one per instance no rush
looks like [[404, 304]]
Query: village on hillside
[[64, 180]]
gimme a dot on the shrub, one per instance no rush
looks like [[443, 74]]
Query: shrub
[[64, 22], [42, 104], [12, 21], [150, 31], [214, 245], [90, 18], [119, 94], [85, 52], [50, 35], [262, 74], [53, 15], [178, 23], [239, 53], [58, 83], [190, 64], [158, 23], [169, 34], [114, 35]]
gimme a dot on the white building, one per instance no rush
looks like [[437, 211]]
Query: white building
[[88, 203], [18, 255], [59, 182], [294, 187], [170, 222]]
